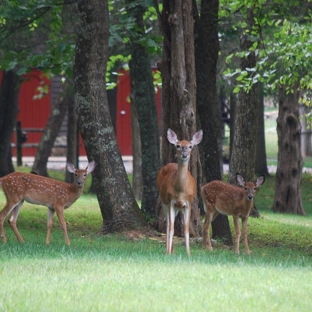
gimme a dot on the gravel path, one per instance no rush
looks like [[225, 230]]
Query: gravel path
[[60, 163]]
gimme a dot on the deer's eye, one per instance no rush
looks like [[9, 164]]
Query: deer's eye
[[190, 147], [246, 189], [178, 146]]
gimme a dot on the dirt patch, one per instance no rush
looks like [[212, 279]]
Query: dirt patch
[[137, 235]]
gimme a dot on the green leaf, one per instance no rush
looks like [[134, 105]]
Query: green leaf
[[236, 89]]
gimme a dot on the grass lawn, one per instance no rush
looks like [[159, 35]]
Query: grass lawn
[[272, 142], [130, 272]]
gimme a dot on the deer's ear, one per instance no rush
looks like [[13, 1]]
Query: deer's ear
[[197, 137], [172, 137], [260, 180], [91, 166], [70, 167], [240, 179]]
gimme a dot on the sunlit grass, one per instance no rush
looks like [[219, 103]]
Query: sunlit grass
[[114, 273]]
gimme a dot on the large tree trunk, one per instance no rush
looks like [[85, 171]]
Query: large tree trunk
[[117, 203], [137, 180], [165, 69], [8, 112], [144, 96], [50, 133], [179, 93], [287, 197], [233, 105], [206, 58], [72, 138], [243, 156], [261, 167]]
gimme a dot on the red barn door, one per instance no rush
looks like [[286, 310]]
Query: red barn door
[[123, 112]]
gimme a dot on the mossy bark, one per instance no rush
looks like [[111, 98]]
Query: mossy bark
[[143, 94], [117, 203], [287, 196], [179, 94], [209, 113]]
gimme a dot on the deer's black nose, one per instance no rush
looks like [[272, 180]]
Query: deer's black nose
[[184, 153]]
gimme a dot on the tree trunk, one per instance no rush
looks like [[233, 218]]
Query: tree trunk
[[206, 58], [50, 133], [137, 181], [117, 203], [179, 93], [144, 97], [233, 105], [9, 93], [165, 69], [72, 138], [243, 156], [287, 197], [261, 167]]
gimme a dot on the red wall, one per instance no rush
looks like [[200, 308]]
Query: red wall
[[123, 112], [34, 112]]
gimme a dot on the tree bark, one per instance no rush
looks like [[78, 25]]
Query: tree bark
[[261, 167], [179, 93], [165, 69], [144, 96], [9, 93], [287, 197], [72, 138], [117, 203], [206, 58], [233, 105], [50, 133], [137, 180], [243, 156]]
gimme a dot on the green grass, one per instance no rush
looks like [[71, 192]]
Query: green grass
[[113, 273], [272, 143]]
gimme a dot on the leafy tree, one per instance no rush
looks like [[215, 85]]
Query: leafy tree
[[243, 155], [294, 58], [206, 58], [179, 92], [117, 203], [26, 43], [283, 64], [143, 95]]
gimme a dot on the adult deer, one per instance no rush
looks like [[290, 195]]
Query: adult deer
[[36, 189], [177, 187], [228, 199]]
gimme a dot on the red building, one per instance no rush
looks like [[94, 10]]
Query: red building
[[123, 112], [34, 110]]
